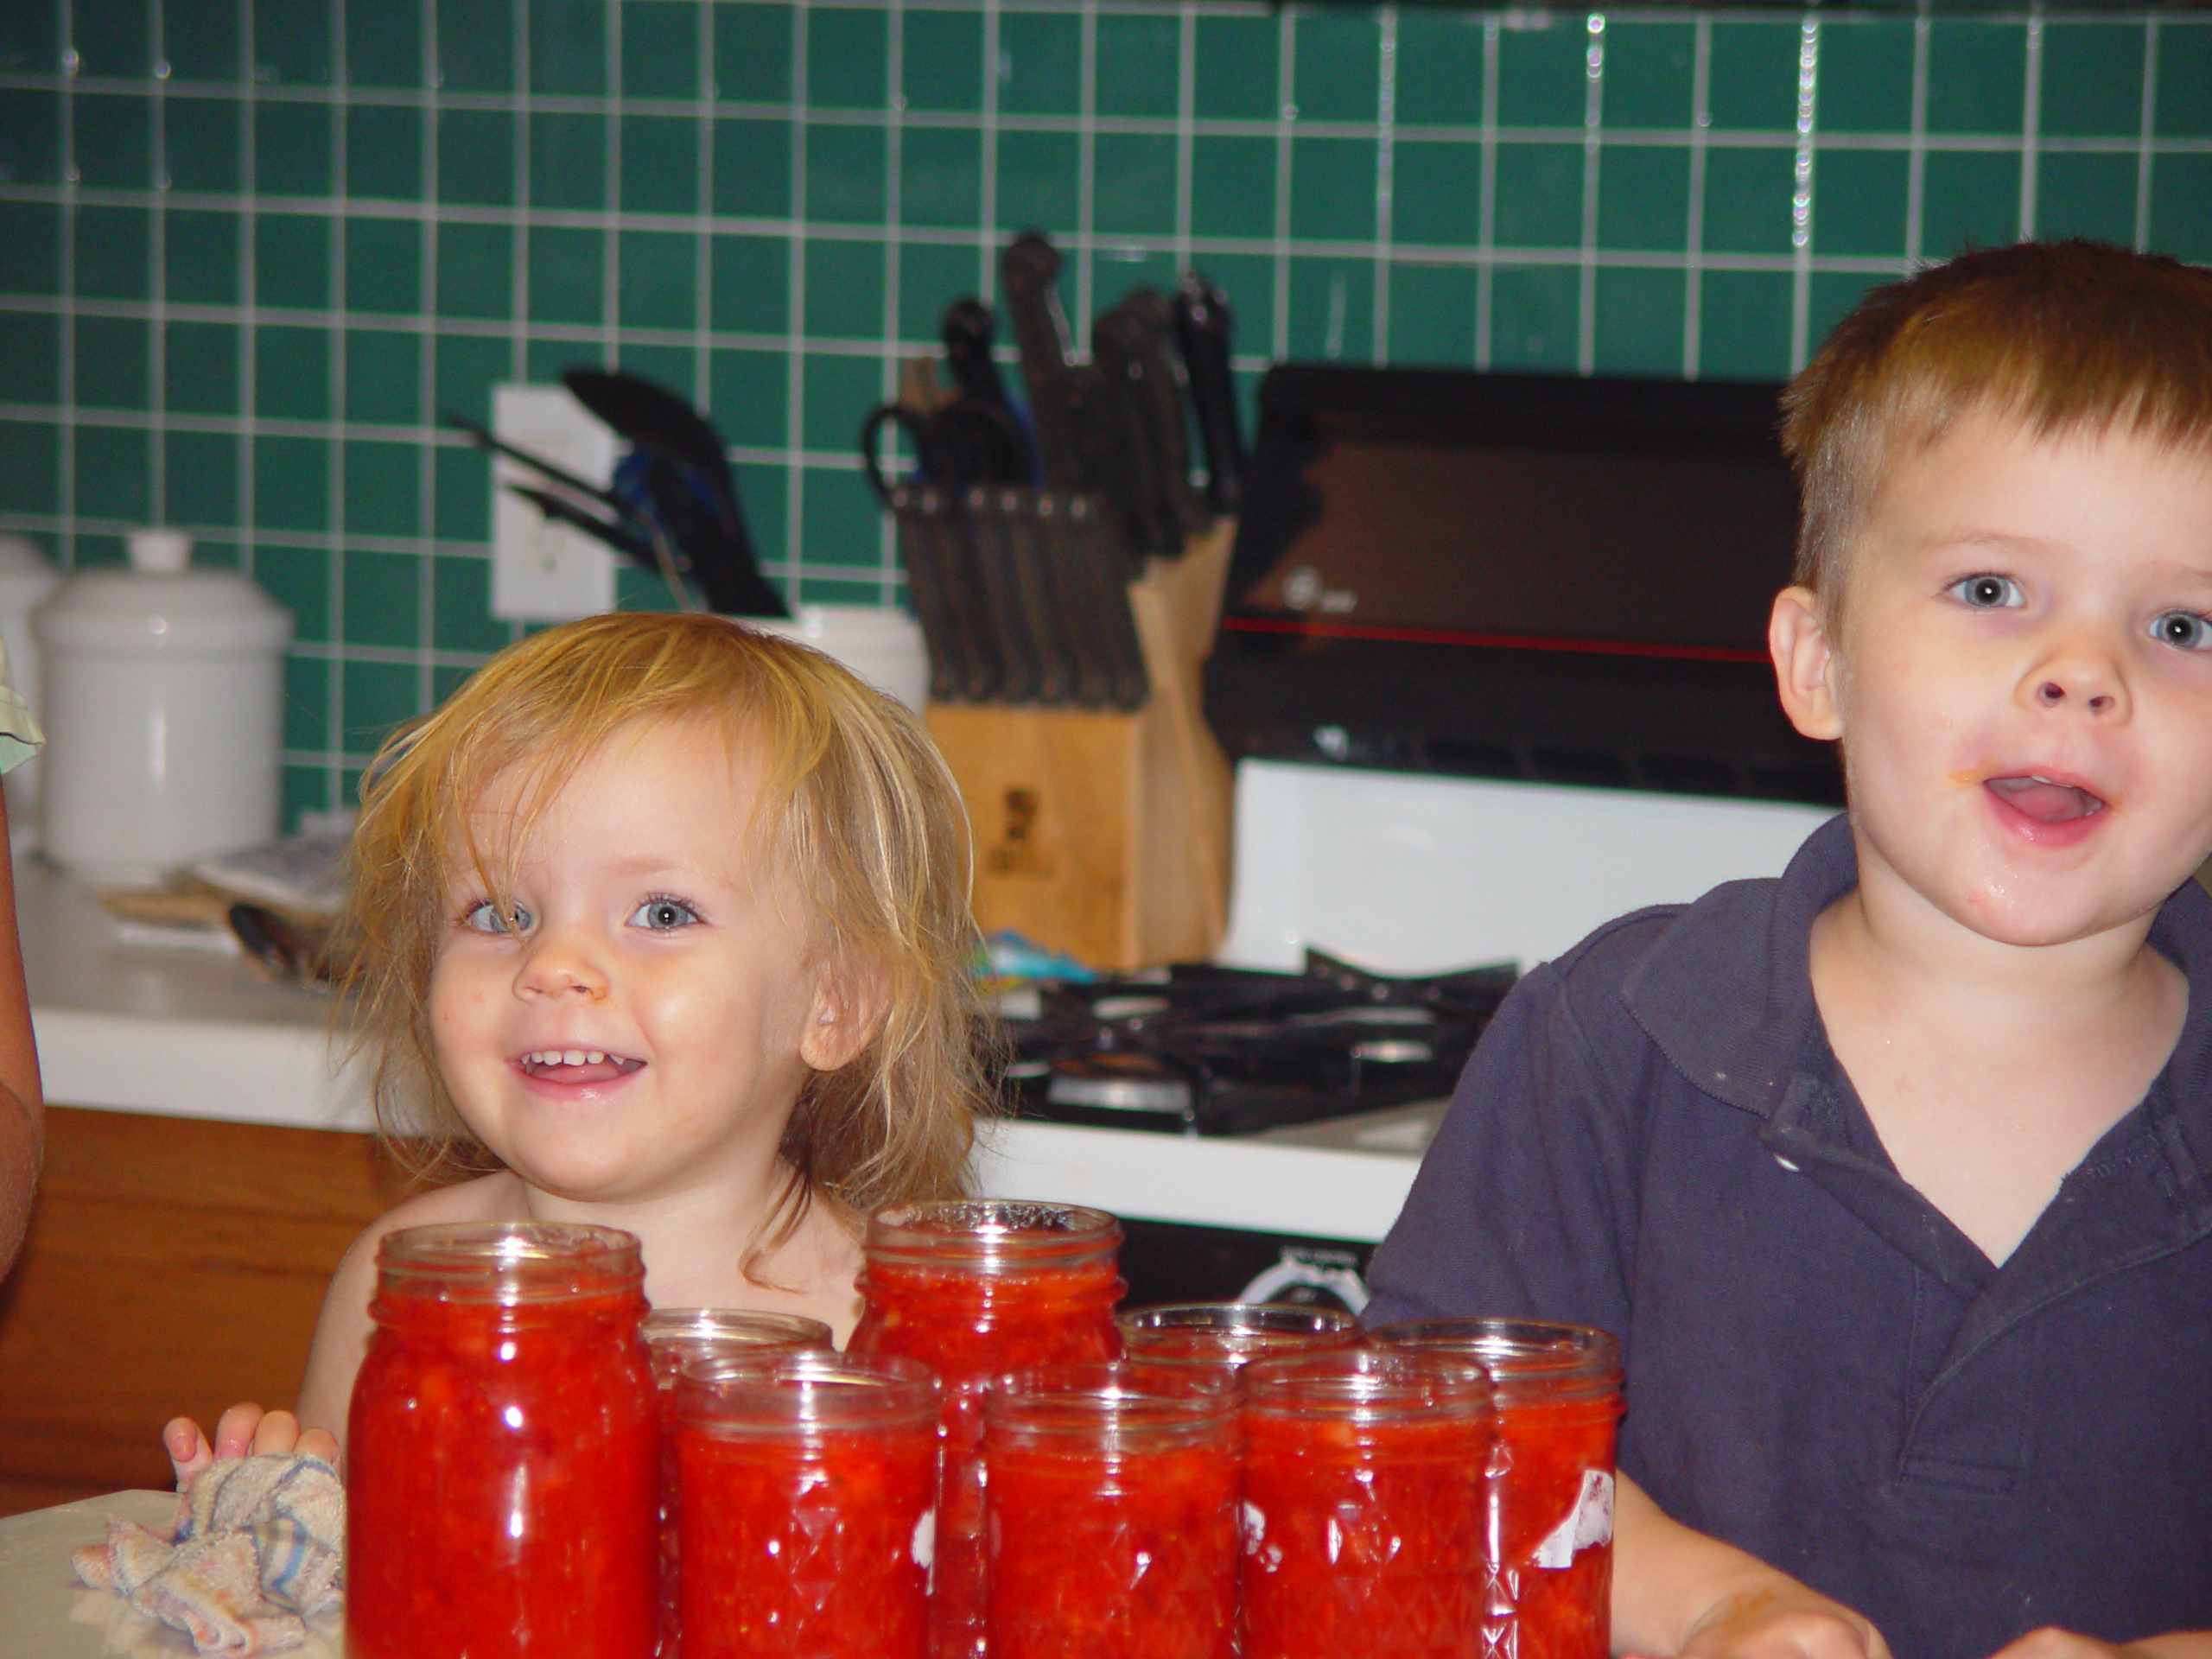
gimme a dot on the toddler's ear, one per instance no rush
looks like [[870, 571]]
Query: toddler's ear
[[851, 1001], [1804, 664]]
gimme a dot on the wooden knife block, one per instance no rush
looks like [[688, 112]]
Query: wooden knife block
[[1106, 834]]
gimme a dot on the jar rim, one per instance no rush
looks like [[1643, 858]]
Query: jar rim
[[678, 1337], [1364, 1385], [812, 1391], [508, 1262], [991, 1232], [1111, 1405], [1233, 1333], [1530, 1358]]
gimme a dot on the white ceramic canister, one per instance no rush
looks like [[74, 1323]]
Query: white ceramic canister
[[27, 578], [162, 701], [879, 643]]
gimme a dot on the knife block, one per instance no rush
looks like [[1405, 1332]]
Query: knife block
[[1102, 834]]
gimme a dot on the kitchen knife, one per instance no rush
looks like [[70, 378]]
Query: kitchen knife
[[914, 509], [1012, 635], [1105, 561], [967, 331], [1125, 468], [1050, 614], [1203, 326], [1154, 341], [1027, 270], [1076, 598]]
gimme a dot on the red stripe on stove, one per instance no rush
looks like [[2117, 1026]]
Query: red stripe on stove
[[1508, 641]]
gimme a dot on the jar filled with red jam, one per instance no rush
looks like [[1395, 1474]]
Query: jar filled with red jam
[[1364, 1504], [1228, 1336], [1110, 1514], [806, 1504], [502, 1449], [975, 1289], [677, 1337], [1550, 1533]]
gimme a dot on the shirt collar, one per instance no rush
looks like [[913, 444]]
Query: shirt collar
[[1727, 992]]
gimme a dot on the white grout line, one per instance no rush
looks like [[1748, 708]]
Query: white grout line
[[1802, 199], [2031, 120], [1386, 109], [1693, 233], [1286, 91], [158, 286], [1486, 203], [1915, 171], [2145, 133], [1594, 113], [795, 268]]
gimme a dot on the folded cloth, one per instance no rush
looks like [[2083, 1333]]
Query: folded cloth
[[258, 1547]]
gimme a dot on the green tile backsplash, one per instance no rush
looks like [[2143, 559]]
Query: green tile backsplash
[[250, 249]]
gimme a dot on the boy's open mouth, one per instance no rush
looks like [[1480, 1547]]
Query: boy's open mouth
[[2044, 800], [576, 1065]]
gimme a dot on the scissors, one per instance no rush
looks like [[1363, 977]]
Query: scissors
[[962, 441]]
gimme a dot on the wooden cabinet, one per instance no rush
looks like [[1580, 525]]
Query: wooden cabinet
[[174, 1266]]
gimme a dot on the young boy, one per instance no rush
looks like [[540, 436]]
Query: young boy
[[1894, 1176]]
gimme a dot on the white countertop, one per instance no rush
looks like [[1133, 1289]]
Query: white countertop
[[137, 1028]]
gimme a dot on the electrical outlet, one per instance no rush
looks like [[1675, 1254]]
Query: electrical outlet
[[543, 571]]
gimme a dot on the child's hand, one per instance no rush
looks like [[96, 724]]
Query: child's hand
[[1790, 1622], [243, 1431]]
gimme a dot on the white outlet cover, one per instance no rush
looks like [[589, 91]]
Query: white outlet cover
[[541, 571]]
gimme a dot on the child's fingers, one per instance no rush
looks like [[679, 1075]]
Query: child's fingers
[[277, 1433], [188, 1448], [318, 1443], [235, 1432]]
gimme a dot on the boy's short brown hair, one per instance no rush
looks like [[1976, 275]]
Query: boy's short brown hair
[[855, 804], [2058, 336]]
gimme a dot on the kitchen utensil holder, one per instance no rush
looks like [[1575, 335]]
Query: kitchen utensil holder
[[1103, 831]]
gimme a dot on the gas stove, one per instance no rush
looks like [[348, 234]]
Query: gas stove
[[1199, 1049]]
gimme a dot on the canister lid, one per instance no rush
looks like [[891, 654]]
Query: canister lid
[[161, 603]]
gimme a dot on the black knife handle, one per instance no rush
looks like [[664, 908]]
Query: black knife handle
[[1203, 326], [1027, 270], [1129, 443], [967, 331]]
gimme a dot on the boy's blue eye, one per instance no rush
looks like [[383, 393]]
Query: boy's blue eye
[[2183, 630], [1988, 593], [663, 914], [485, 918]]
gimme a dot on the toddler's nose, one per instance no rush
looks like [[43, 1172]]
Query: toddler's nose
[[2050, 693]]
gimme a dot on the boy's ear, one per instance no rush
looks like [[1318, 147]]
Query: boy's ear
[[851, 1001], [1804, 664]]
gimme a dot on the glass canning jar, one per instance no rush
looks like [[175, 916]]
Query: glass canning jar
[[1228, 1336], [1363, 1489], [806, 1499], [502, 1449], [677, 1337], [974, 1289], [1110, 1512], [1549, 1531]]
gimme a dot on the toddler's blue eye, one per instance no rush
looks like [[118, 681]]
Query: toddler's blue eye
[[2184, 630], [1988, 593], [485, 918], [663, 914]]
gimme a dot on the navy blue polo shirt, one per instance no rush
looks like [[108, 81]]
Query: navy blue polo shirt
[[1654, 1138]]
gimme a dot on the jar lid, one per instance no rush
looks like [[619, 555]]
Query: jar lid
[[133, 611], [991, 1233], [508, 1262]]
